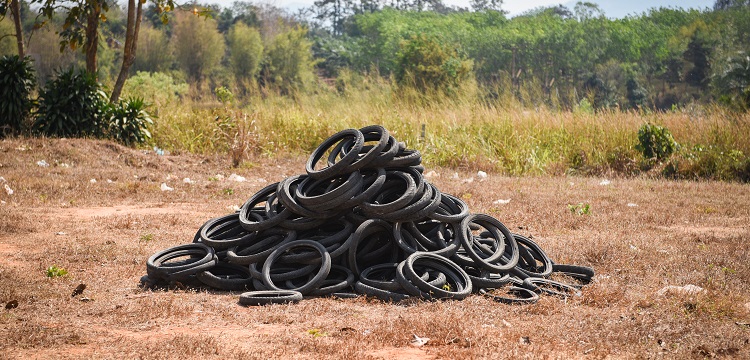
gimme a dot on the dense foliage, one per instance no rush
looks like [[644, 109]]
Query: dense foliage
[[17, 81], [556, 56], [73, 104]]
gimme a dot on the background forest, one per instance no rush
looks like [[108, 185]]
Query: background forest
[[251, 68]]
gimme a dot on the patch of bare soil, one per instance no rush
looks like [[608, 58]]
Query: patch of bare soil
[[640, 235]]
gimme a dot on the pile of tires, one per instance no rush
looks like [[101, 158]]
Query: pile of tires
[[363, 220]]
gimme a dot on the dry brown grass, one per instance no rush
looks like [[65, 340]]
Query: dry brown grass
[[102, 233]]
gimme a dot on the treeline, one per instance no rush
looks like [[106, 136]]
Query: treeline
[[557, 57]]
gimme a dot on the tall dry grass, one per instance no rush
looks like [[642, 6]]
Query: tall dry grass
[[461, 131]]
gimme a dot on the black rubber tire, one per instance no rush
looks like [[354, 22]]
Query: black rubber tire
[[227, 277], [373, 208], [364, 230], [352, 183], [450, 210], [336, 285], [343, 163], [525, 296], [451, 270], [315, 281], [225, 232], [266, 297], [489, 223], [551, 287], [370, 133], [385, 295], [202, 257], [266, 242], [536, 254], [576, 271], [383, 284], [264, 223]]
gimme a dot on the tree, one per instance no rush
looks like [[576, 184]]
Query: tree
[[15, 11], [698, 53], [485, 5], [198, 45], [81, 25], [135, 16], [428, 66], [153, 51], [245, 51], [289, 64], [730, 4]]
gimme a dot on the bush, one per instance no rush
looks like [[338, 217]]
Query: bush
[[655, 142], [427, 65], [159, 88], [16, 83], [245, 52], [288, 65], [73, 104], [128, 121]]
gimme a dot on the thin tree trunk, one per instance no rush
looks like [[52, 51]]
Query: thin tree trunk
[[15, 8], [135, 15], [92, 37]]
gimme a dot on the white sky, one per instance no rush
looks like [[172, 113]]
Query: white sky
[[612, 8]]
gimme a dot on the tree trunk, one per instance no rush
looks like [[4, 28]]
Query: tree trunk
[[135, 15], [15, 9], [92, 36]]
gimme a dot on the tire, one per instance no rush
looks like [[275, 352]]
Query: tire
[[227, 277], [266, 297], [525, 296], [201, 258], [315, 281], [451, 270], [343, 163], [489, 223], [384, 295]]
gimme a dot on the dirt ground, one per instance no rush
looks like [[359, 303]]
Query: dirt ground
[[97, 210]]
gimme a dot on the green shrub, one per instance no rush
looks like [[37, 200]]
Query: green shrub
[[73, 104], [428, 65], [159, 88], [288, 65], [17, 81], [128, 122], [655, 142]]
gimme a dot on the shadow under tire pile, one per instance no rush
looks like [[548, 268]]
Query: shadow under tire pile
[[362, 220]]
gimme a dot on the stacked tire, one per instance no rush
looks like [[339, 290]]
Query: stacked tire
[[361, 220]]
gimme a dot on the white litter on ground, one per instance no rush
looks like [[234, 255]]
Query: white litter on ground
[[8, 189], [481, 175], [42, 163], [164, 187], [188, 181], [605, 182], [632, 205], [93, 181], [419, 341], [501, 201], [237, 178], [431, 174]]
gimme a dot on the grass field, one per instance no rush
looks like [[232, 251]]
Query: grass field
[[641, 235], [466, 134]]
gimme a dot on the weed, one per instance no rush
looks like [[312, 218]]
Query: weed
[[228, 191], [55, 271], [580, 209], [317, 333], [146, 237]]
